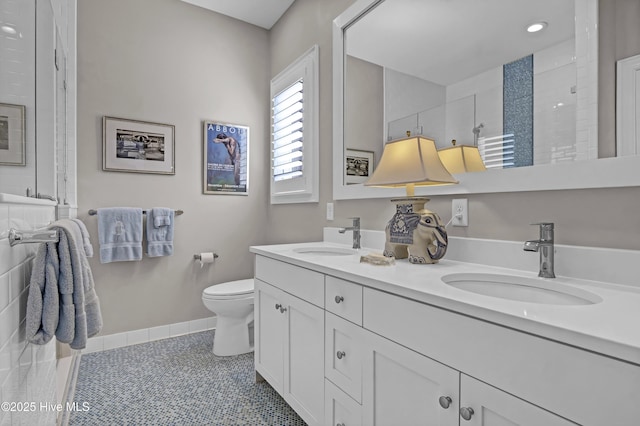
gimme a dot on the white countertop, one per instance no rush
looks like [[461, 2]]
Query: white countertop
[[611, 327]]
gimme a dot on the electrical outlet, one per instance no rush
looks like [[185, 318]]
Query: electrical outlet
[[329, 211], [460, 212]]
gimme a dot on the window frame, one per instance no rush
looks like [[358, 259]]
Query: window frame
[[303, 189]]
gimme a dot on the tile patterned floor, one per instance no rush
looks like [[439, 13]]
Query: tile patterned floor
[[175, 381]]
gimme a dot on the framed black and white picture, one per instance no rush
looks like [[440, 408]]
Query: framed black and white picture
[[226, 158], [12, 135], [359, 166], [137, 146]]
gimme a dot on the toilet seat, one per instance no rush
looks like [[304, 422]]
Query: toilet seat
[[230, 290]]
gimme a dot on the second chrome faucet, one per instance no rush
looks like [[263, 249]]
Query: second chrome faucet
[[544, 245], [356, 232]]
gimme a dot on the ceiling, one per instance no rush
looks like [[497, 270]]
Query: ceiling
[[263, 13], [446, 41]]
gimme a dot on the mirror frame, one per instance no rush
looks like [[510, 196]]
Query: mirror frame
[[596, 173]]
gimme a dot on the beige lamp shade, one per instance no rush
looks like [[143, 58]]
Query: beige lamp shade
[[411, 161], [461, 159]]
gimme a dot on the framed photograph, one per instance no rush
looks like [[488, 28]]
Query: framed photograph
[[12, 135], [226, 158], [359, 166], [137, 146]]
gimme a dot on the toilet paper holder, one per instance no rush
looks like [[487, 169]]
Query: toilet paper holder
[[199, 257]]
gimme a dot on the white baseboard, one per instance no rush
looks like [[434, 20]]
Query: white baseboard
[[134, 337]]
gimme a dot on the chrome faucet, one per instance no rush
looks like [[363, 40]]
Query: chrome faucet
[[545, 246], [356, 232]]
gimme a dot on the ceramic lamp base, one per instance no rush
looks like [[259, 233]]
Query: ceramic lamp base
[[415, 232]]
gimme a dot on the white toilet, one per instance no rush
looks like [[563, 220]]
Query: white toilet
[[232, 302]]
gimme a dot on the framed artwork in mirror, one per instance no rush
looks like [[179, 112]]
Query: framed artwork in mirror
[[359, 166], [137, 146], [225, 157], [12, 135]]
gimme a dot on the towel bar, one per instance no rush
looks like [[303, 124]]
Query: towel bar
[[25, 237], [94, 212]]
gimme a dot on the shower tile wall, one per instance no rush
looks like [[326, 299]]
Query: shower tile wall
[[518, 108], [17, 78], [27, 371], [554, 84]]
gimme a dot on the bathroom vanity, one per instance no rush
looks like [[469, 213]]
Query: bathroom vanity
[[349, 343]]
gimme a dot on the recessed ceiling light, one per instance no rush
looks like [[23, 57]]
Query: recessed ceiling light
[[536, 26], [9, 29]]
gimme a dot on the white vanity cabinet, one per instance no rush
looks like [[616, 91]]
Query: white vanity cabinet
[[347, 353], [507, 374], [484, 405], [289, 335], [403, 387]]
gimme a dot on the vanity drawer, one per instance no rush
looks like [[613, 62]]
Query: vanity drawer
[[340, 408], [303, 283], [344, 355], [344, 299]]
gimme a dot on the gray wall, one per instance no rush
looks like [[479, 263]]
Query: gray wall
[[181, 65], [170, 62]]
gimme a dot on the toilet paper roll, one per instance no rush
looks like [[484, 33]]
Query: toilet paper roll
[[207, 257]]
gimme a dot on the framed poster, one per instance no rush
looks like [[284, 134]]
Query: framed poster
[[12, 135], [137, 146], [359, 166], [226, 158]]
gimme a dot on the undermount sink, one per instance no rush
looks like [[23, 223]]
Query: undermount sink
[[326, 251], [522, 289]]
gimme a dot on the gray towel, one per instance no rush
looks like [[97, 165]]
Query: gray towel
[[62, 299], [120, 234], [79, 310], [160, 232], [86, 241], [42, 303]]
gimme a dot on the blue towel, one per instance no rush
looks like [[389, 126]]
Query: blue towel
[[120, 234], [160, 232]]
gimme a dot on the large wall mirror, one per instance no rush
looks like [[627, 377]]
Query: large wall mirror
[[32, 81], [470, 71]]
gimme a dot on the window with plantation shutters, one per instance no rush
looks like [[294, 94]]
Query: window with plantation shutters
[[294, 134], [288, 126]]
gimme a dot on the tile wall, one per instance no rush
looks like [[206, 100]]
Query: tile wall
[[27, 371]]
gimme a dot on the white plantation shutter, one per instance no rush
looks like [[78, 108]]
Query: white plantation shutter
[[294, 134], [288, 124], [497, 152]]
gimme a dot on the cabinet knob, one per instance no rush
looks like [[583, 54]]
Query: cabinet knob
[[340, 354], [444, 401], [466, 413], [340, 424], [278, 306], [339, 299], [282, 309]]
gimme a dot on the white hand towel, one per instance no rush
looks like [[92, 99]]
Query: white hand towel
[[120, 234], [160, 232]]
